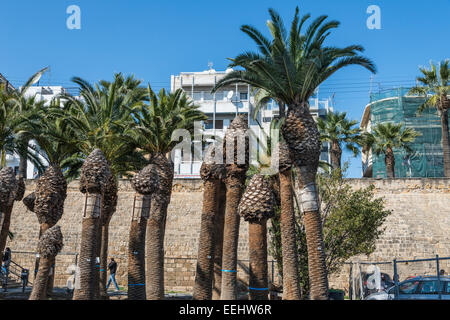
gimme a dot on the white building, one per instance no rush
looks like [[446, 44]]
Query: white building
[[221, 108]]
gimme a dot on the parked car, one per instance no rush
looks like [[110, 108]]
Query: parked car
[[416, 288], [368, 286]]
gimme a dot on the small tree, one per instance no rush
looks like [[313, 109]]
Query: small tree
[[352, 221]]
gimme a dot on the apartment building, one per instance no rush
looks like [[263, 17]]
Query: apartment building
[[221, 108]]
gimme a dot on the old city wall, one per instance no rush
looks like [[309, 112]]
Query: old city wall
[[418, 228]]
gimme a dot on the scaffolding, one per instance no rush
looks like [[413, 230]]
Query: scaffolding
[[426, 158]]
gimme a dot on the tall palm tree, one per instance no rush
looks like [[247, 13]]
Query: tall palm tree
[[256, 207], [289, 68], [434, 85], [144, 183], [155, 124], [218, 241], [385, 138], [8, 190], [339, 132], [212, 174], [58, 147], [95, 173], [50, 244], [102, 120], [236, 166]]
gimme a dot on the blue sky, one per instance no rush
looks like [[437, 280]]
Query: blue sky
[[154, 39]]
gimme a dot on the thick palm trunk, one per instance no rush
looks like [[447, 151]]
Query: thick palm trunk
[[291, 285], [136, 248], [85, 290], [318, 280], [257, 240], [445, 142], [206, 244], [390, 163], [336, 154], [218, 249], [39, 291], [303, 138], [155, 247], [234, 184], [5, 228]]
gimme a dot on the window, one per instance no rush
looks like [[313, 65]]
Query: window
[[429, 287], [243, 96], [209, 124], [409, 287]]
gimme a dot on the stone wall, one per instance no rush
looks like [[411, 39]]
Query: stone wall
[[418, 228]]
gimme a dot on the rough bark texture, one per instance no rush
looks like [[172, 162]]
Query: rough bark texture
[[85, 289], [336, 154], [104, 261], [234, 185], [50, 244], [257, 240], [236, 161], [206, 244], [39, 291], [156, 228], [291, 285], [218, 235], [390, 163], [303, 138], [136, 260], [445, 141], [5, 229]]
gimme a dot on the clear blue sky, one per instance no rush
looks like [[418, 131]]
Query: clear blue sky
[[154, 39]]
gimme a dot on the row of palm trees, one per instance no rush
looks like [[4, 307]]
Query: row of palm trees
[[118, 128]]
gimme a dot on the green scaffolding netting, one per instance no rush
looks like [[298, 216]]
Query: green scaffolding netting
[[426, 158]]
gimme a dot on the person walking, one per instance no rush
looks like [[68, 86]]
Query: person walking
[[24, 278], [5, 267], [112, 267]]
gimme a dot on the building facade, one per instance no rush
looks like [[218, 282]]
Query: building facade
[[221, 108], [397, 106]]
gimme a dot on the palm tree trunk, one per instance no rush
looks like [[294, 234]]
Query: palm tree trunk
[[104, 259], [136, 248], [205, 258], [291, 284], [257, 240], [390, 163], [155, 247], [445, 142], [336, 154], [23, 162], [39, 291], [85, 289], [5, 228], [218, 234], [317, 270], [234, 185]]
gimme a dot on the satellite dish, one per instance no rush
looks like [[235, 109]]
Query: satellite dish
[[230, 94]]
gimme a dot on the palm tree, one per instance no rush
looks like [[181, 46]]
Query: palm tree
[[256, 207], [339, 132], [155, 124], [218, 241], [50, 244], [212, 174], [290, 68], [235, 174], [102, 120], [144, 183], [435, 87], [387, 137], [26, 106], [8, 190], [58, 147], [95, 173]]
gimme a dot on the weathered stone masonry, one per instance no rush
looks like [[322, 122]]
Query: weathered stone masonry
[[418, 228]]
